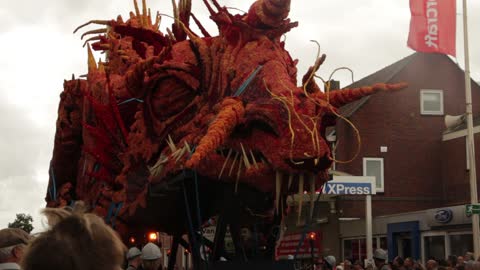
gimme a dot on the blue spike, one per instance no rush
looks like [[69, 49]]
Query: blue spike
[[247, 82], [54, 184], [130, 100]]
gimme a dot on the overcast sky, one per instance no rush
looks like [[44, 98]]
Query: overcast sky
[[38, 51]]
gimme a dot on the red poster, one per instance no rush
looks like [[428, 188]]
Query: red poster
[[289, 244], [433, 25]]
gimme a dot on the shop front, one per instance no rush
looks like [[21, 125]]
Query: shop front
[[433, 233]]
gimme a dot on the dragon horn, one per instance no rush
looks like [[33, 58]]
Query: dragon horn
[[269, 12], [230, 114], [342, 97]]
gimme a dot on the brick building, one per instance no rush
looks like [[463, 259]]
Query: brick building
[[420, 168]]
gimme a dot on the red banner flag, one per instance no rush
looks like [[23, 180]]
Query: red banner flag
[[433, 25]]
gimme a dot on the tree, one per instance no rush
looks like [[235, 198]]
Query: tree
[[23, 221]]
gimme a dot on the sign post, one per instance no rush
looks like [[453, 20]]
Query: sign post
[[356, 185]]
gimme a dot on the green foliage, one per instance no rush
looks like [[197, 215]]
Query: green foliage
[[23, 221]]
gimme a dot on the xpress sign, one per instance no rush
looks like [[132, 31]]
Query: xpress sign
[[350, 185]]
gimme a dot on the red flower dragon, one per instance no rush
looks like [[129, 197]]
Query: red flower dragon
[[182, 122]]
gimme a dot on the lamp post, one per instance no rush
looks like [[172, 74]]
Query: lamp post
[[470, 137]]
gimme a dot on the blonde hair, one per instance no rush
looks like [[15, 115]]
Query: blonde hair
[[76, 241]]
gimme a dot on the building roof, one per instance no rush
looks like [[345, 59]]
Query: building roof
[[382, 76]]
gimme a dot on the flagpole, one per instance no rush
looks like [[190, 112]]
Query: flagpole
[[470, 138]]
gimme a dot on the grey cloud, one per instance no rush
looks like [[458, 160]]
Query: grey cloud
[[25, 153]]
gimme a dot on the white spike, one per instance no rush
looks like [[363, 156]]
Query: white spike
[[171, 144], [238, 175], [300, 194], [233, 164], [225, 163], [315, 161], [245, 157], [278, 189], [312, 194], [188, 147], [253, 158], [181, 153], [156, 169], [290, 180]]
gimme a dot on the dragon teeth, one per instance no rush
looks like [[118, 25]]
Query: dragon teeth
[[312, 194], [300, 194], [233, 164], [245, 157], [253, 158], [278, 189], [290, 180], [225, 163]]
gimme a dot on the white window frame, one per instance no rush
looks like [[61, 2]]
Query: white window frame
[[365, 159], [431, 91]]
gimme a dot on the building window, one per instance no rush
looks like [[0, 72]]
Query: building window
[[374, 167], [441, 244], [356, 249], [431, 102], [460, 243]]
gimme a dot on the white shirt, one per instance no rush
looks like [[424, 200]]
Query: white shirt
[[9, 266]]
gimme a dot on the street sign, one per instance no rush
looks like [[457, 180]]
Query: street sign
[[350, 185], [472, 209]]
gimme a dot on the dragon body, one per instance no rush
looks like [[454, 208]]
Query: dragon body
[[175, 112]]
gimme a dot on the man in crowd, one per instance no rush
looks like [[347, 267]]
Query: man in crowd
[[432, 265], [408, 263], [151, 256], [398, 263], [357, 265], [12, 243], [347, 265], [380, 258], [75, 241], [133, 258]]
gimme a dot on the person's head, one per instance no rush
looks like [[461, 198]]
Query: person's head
[[12, 243], [431, 265], [357, 265], [151, 256], [75, 241], [134, 257], [329, 262], [460, 260], [468, 256], [347, 265], [452, 261], [398, 261], [418, 266], [380, 257], [408, 263]]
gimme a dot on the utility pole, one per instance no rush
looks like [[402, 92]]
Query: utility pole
[[470, 137]]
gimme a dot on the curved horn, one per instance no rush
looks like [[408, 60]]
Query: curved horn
[[342, 97], [268, 12]]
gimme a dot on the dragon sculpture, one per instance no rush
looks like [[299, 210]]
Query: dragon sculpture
[[167, 114]]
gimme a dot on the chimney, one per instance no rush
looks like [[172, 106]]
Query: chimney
[[334, 85]]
